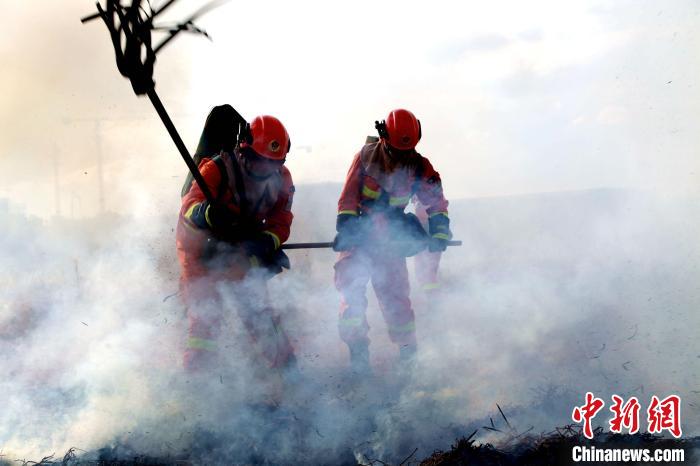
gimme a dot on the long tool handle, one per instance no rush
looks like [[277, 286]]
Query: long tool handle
[[330, 245], [155, 100]]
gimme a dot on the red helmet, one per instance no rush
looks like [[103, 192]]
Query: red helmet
[[401, 129], [267, 136]]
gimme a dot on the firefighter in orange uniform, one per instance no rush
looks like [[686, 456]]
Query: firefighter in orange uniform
[[371, 221], [234, 243]]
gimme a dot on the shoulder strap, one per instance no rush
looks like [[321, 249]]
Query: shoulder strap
[[240, 188], [223, 183], [418, 174], [364, 153]]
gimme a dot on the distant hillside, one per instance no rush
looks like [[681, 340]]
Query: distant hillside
[[504, 224]]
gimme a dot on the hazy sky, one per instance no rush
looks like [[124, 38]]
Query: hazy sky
[[514, 97]]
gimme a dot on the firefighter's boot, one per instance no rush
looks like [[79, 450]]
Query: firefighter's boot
[[359, 358], [407, 360], [291, 375]]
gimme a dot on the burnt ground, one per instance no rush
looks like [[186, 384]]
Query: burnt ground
[[552, 448], [555, 448], [654, 308], [337, 425]]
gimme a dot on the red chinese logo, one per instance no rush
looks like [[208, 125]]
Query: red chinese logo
[[661, 415], [587, 412], [665, 415], [626, 415]]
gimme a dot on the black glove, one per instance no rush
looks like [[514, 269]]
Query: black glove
[[348, 228], [216, 217], [347, 223], [440, 234], [262, 246]]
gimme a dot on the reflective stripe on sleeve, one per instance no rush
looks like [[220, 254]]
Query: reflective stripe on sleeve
[[206, 216], [193, 216], [369, 192], [188, 214], [274, 237], [399, 201]]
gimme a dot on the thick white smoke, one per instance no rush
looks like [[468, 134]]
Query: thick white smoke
[[549, 297]]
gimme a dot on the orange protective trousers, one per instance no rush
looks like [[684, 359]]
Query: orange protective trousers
[[389, 277], [243, 287]]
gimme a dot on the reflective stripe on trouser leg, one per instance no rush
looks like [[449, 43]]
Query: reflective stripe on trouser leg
[[390, 282], [264, 326], [204, 344], [351, 277], [203, 306], [203, 313], [201, 344], [262, 321], [426, 267]]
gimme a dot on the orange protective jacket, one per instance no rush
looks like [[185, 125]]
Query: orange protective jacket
[[375, 182], [268, 206]]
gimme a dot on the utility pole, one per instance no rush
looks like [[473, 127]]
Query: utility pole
[[100, 174], [56, 183], [98, 125]]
